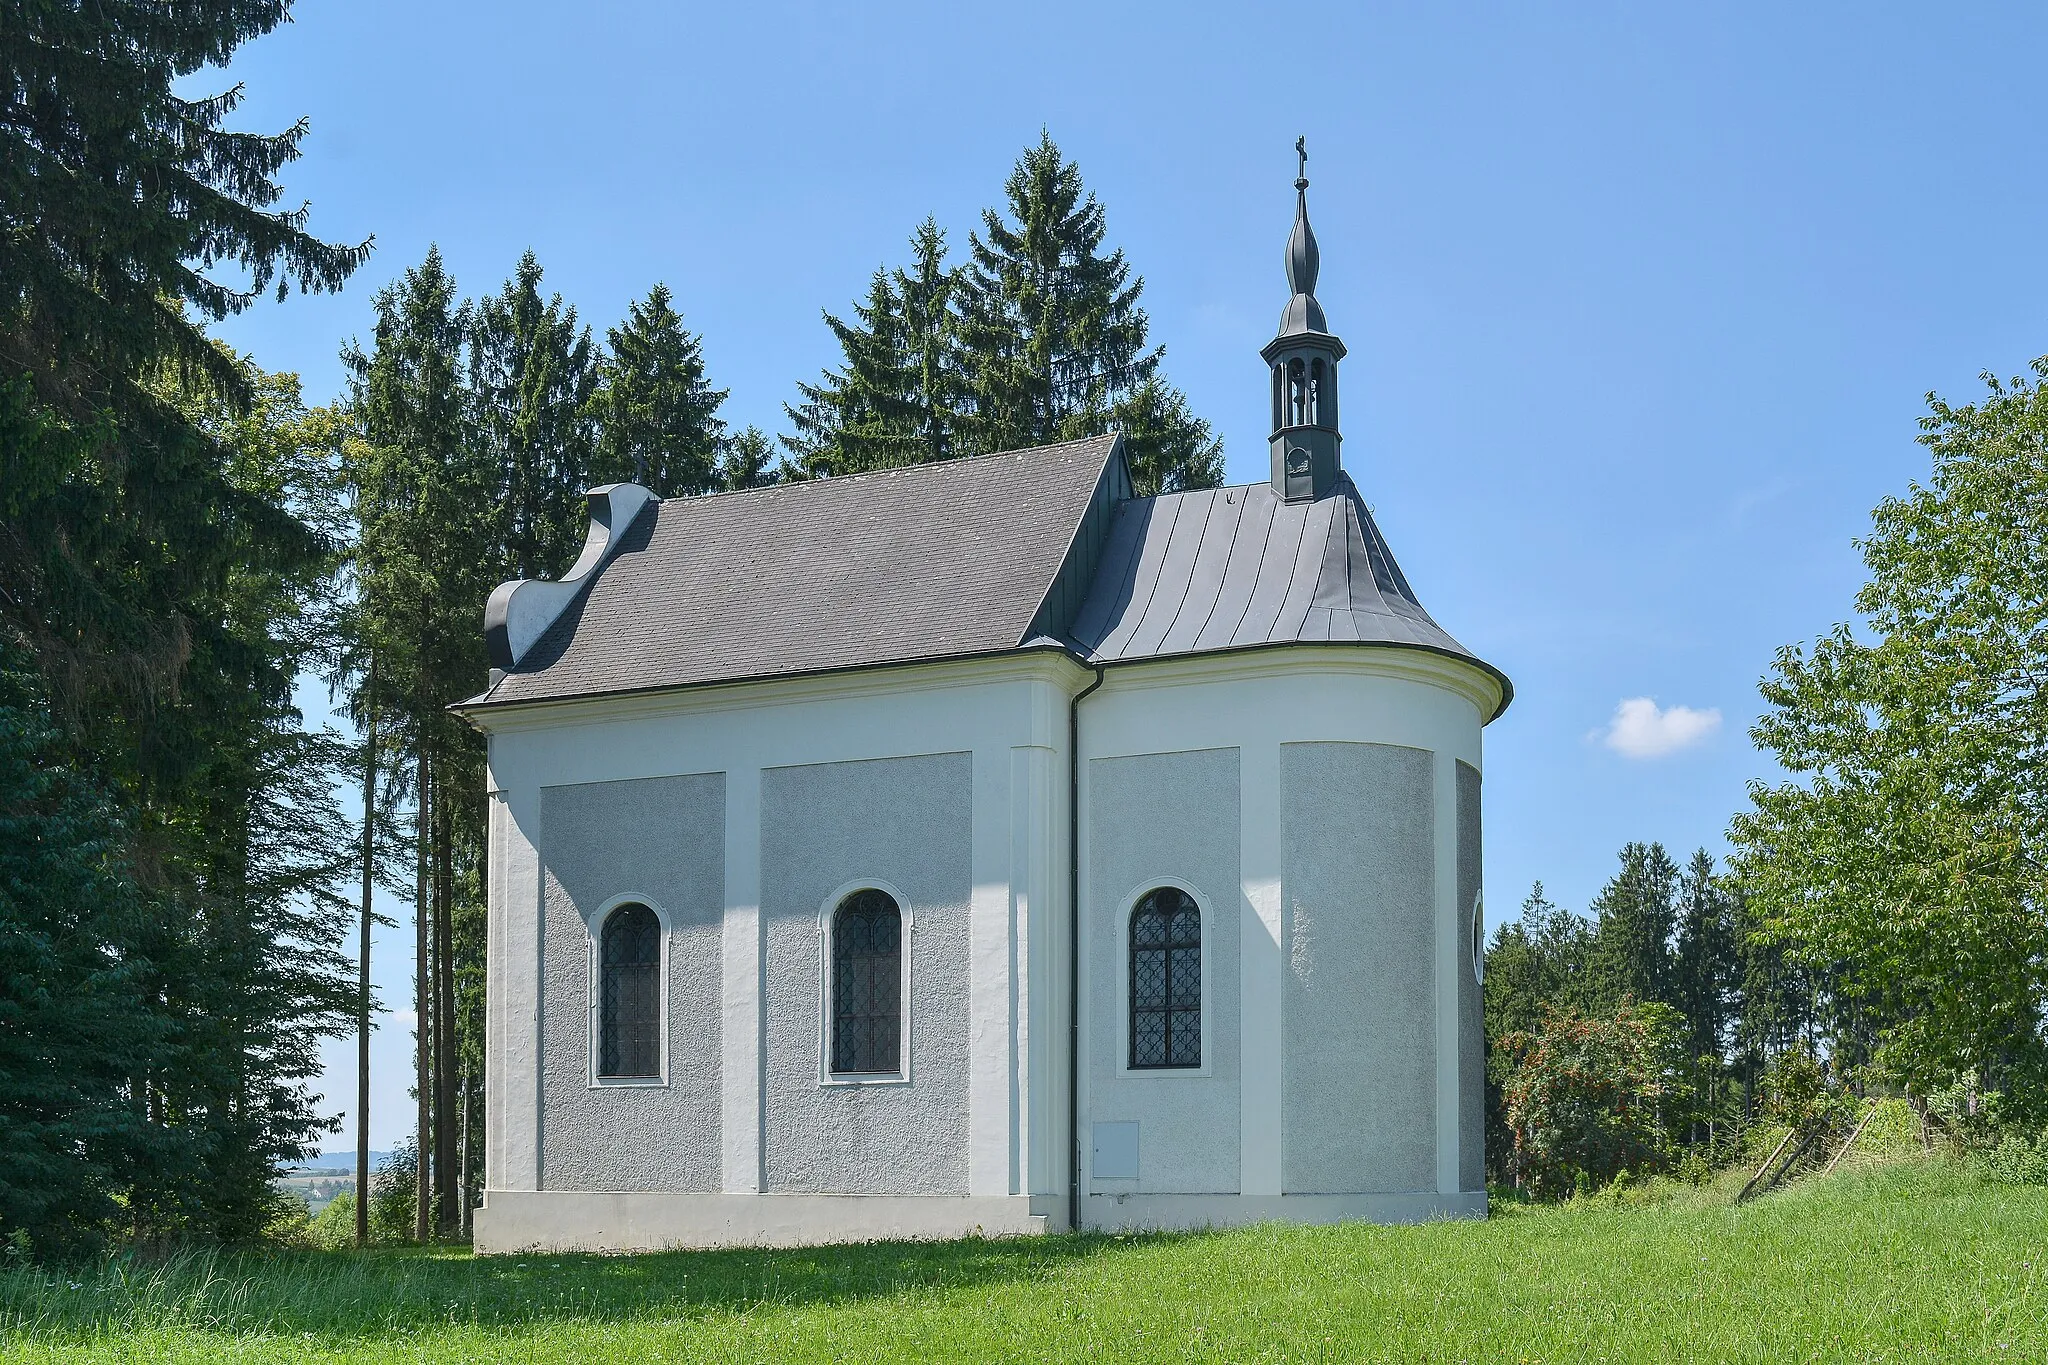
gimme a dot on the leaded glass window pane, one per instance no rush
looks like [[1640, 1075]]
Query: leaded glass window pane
[[1166, 981], [629, 995], [867, 985]]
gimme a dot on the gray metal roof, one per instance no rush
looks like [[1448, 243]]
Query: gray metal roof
[[1036, 548], [928, 562], [1238, 568]]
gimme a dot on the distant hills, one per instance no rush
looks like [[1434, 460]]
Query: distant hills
[[340, 1161]]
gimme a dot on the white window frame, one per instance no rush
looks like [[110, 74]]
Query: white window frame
[[1129, 906], [594, 938], [826, 1075]]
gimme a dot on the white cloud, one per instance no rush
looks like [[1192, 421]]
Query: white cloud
[[1642, 729]]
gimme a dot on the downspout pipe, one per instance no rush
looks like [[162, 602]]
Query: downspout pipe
[[1074, 951]]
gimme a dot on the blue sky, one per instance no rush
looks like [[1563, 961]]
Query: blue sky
[[1641, 300]]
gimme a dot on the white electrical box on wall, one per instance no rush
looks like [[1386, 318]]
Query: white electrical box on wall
[[1116, 1152]]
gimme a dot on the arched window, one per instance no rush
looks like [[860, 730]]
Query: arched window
[[867, 985], [1279, 398], [629, 995], [1166, 980], [1297, 383], [1315, 394]]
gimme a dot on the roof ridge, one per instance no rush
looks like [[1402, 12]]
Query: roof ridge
[[836, 480]]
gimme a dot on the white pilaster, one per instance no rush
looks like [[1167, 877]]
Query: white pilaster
[[516, 922], [989, 939], [742, 1055], [1260, 1061], [1445, 769], [495, 822], [1031, 874]]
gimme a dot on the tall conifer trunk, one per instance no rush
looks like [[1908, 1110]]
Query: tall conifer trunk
[[444, 1008], [363, 971], [422, 996]]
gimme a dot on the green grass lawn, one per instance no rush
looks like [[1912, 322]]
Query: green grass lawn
[[1909, 1261]]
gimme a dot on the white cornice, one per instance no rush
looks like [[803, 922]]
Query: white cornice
[[1470, 681], [1052, 666], [1033, 665]]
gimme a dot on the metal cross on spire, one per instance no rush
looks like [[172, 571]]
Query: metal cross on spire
[[1301, 150]]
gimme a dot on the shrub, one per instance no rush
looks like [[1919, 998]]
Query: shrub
[[1795, 1089], [334, 1227], [2014, 1160], [1588, 1097], [392, 1192], [1803, 1093]]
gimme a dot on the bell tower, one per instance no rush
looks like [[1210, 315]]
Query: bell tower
[[1303, 359]]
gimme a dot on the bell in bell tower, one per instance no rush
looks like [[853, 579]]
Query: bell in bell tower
[[1303, 359]]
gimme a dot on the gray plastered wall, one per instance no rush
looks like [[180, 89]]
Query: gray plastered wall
[[1151, 817], [907, 822], [1359, 1079], [1471, 1003], [662, 838]]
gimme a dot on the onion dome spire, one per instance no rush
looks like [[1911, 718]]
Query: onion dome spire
[[1306, 439], [1304, 261]]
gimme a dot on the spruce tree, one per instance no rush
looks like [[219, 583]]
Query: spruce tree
[[1636, 916], [1053, 344], [427, 555], [1705, 969], [657, 414], [266, 848], [743, 461], [79, 1028], [1039, 338], [533, 375], [935, 395], [120, 194], [1168, 448], [898, 398], [859, 417], [1706, 986], [1051, 332], [167, 536]]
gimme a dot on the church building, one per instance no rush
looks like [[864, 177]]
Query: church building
[[979, 847]]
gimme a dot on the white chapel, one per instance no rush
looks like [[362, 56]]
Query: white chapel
[[977, 846]]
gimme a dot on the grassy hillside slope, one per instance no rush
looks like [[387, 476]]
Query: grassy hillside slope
[[1909, 1261]]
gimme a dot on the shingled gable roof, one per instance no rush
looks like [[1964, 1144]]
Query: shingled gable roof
[[961, 558]]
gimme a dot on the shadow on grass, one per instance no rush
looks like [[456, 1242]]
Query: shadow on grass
[[348, 1294]]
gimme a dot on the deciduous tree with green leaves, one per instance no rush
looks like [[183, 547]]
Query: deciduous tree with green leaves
[[1589, 1096], [1905, 856]]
